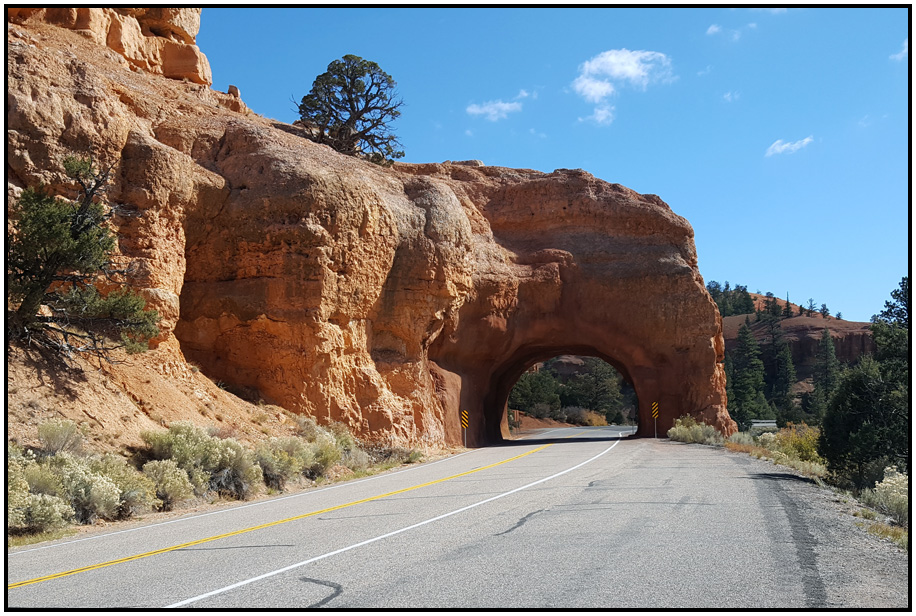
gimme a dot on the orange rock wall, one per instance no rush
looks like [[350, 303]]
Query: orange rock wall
[[388, 299]]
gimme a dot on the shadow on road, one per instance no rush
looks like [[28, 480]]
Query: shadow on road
[[559, 439], [781, 477]]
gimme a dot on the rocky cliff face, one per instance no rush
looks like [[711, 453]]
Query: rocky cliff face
[[388, 299], [156, 40], [851, 339]]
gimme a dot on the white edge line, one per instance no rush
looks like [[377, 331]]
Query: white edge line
[[386, 535], [237, 507]]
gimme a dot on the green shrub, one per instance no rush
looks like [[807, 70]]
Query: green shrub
[[384, 455], [17, 488], [236, 474], [281, 459], [540, 411], [890, 496], [188, 445], [170, 482], [687, 430], [799, 441], [306, 427], [326, 453], [355, 459], [341, 434], [583, 417], [44, 512], [58, 435], [221, 465], [91, 494], [742, 438], [136, 491], [767, 440], [42, 479]]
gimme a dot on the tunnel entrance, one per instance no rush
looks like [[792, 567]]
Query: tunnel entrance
[[579, 390]]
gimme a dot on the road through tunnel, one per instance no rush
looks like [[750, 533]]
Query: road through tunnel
[[579, 389]]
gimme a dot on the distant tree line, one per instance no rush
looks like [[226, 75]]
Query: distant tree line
[[737, 300], [595, 386], [863, 411]]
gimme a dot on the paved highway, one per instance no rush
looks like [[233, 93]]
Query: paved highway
[[567, 518]]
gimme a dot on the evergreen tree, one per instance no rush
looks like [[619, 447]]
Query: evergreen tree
[[827, 367], [58, 252], [748, 380], [825, 312], [351, 107], [535, 388], [811, 306], [867, 425], [785, 377], [787, 310], [596, 388], [743, 302]]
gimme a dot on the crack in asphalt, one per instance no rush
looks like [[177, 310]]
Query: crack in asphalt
[[520, 522], [336, 587]]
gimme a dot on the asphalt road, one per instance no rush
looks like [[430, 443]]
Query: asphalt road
[[568, 518]]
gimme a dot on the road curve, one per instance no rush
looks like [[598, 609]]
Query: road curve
[[562, 519]]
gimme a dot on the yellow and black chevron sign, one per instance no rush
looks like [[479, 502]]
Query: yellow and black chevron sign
[[655, 410], [464, 419]]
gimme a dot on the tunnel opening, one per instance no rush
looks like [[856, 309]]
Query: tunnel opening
[[573, 389], [579, 365]]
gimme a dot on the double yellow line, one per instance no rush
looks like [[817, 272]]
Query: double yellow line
[[189, 544]]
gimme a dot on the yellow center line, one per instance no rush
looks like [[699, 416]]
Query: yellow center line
[[261, 526]]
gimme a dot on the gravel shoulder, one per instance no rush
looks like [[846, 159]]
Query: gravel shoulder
[[846, 566]]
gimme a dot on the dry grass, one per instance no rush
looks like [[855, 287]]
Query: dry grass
[[896, 534], [18, 540]]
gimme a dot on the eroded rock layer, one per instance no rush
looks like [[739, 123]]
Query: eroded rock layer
[[388, 299]]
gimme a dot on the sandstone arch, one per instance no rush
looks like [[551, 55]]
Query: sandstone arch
[[388, 299]]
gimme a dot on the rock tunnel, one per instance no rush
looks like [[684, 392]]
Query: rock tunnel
[[615, 277], [391, 300]]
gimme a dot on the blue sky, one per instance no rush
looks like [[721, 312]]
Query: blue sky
[[781, 135]]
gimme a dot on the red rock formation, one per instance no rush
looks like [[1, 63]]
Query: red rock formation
[[851, 339], [388, 299], [157, 40]]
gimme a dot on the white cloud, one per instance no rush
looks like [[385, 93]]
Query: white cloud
[[604, 114], [522, 94], [637, 67], [780, 147], [600, 77], [468, 132], [713, 29], [904, 51], [773, 11], [731, 97], [537, 134], [591, 89], [494, 110], [705, 71]]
